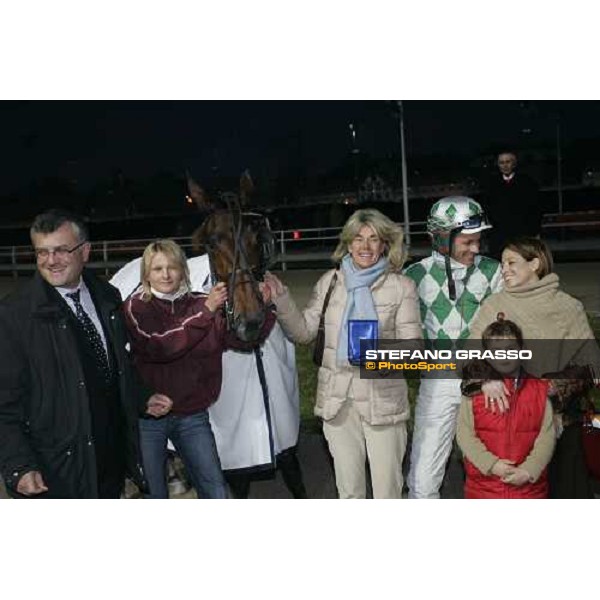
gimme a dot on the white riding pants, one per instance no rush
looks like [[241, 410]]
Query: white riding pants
[[436, 414]]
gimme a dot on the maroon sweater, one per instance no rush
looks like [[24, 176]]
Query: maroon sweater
[[177, 348]]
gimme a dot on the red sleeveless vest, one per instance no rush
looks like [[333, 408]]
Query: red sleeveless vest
[[509, 436]]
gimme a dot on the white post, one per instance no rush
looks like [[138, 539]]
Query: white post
[[354, 157], [404, 178], [105, 257], [558, 167], [13, 254], [282, 250]]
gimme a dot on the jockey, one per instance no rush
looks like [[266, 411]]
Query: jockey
[[451, 283]]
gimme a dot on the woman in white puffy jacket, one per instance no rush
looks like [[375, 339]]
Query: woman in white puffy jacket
[[362, 418]]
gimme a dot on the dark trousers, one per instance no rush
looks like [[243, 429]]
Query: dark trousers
[[112, 487], [289, 466], [110, 468], [567, 473]]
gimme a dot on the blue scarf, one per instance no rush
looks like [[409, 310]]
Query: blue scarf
[[359, 301]]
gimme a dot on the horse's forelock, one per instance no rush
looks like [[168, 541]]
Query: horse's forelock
[[216, 236]]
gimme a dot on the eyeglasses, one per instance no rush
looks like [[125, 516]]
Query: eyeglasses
[[60, 251]]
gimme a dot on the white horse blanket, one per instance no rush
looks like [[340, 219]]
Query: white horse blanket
[[248, 432]]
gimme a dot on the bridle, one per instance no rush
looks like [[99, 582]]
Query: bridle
[[242, 272]]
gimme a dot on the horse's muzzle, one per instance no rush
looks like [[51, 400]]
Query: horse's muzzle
[[247, 328]]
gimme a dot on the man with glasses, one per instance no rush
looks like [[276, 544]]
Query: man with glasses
[[69, 398], [451, 283]]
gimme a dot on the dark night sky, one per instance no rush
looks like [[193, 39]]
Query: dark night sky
[[144, 137]]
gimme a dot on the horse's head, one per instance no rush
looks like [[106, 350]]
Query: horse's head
[[240, 248]]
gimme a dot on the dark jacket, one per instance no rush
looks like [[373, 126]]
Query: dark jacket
[[177, 347], [514, 209], [45, 421]]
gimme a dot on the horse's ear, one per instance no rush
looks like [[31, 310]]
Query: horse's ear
[[198, 194], [246, 187], [199, 240]]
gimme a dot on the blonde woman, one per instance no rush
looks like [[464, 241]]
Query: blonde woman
[[178, 338], [362, 418]]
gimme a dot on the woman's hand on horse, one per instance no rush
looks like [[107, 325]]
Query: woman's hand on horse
[[265, 290], [275, 285], [216, 297]]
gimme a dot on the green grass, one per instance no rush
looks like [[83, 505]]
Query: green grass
[[307, 377]]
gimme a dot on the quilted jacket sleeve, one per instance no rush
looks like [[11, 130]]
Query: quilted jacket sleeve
[[302, 326]]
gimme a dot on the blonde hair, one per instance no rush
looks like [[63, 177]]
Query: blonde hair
[[389, 232], [173, 251]]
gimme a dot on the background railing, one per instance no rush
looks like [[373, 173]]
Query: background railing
[[568, 233]]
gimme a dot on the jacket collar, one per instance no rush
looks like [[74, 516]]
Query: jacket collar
[[182, 291], [106, 298], [46, 302], [546, 285]]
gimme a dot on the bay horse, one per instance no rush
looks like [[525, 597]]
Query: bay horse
[[240, 247], [254, 396], [256, 418]]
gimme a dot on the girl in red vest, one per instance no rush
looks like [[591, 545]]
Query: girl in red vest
[[506, 454]]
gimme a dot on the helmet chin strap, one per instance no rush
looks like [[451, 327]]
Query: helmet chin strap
[[451, 284]]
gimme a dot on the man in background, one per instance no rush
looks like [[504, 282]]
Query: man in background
[[513, 204]]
